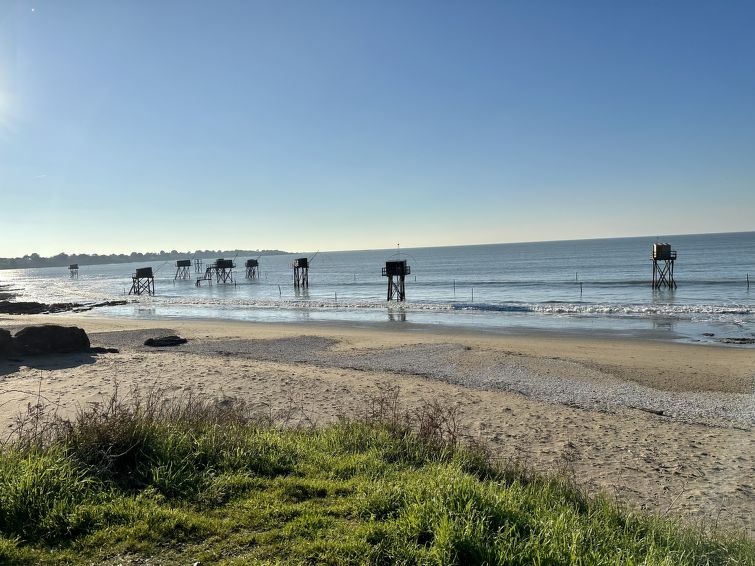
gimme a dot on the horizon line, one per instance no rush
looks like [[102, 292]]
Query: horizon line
[[414, 247]]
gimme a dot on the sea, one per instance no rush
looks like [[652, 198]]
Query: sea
[[597, 287]]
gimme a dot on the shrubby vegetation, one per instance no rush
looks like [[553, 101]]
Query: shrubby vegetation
[[185, 480]]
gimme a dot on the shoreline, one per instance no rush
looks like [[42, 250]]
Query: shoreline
[[397, 322], [660, 328], [679, 366], [591, 404]]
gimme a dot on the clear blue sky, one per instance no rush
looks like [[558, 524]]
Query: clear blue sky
[[309, 125]]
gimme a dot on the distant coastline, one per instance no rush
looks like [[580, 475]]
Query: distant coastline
[[64, 260]]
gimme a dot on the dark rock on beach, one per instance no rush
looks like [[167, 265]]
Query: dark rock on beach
[[737, 340], [128, 339], [6, 343], [33, 307], [47, 339], [88, 307], [165, 341], [50, 339]]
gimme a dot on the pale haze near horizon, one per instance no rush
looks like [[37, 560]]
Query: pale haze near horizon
[[339, 125]]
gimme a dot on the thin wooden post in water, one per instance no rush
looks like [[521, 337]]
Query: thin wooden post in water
[[748, 281]]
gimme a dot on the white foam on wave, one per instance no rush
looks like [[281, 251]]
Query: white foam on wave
[[584, 309]]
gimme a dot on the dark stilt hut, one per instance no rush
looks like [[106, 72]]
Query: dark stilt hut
[[252, 268], [142, 282], [663, 266], [301, 273], [198, 265], [183, 267], [222, 269], [396, 272], [73, 270]]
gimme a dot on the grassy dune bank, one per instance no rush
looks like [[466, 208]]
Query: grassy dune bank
[[175, 482]]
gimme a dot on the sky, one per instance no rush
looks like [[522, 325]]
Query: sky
[[142, 125]]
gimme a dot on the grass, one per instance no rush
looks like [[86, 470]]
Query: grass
[[185, 481]]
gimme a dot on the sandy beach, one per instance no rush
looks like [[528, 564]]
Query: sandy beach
[[665, 427]]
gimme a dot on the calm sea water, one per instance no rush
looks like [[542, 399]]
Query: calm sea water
[[502, 287]]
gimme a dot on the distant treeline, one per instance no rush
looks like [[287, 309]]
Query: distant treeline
[[64, 260]]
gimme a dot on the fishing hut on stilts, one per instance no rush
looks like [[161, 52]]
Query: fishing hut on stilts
[[221, 270], [396, 272], [663, 266], [198, 265], [224, 270], [301, 273], [183, 267], [142, 282], [252, 268], [73, 270]]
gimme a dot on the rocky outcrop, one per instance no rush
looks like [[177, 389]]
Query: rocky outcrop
[[50, 339], [740, 341], [33, 307]]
